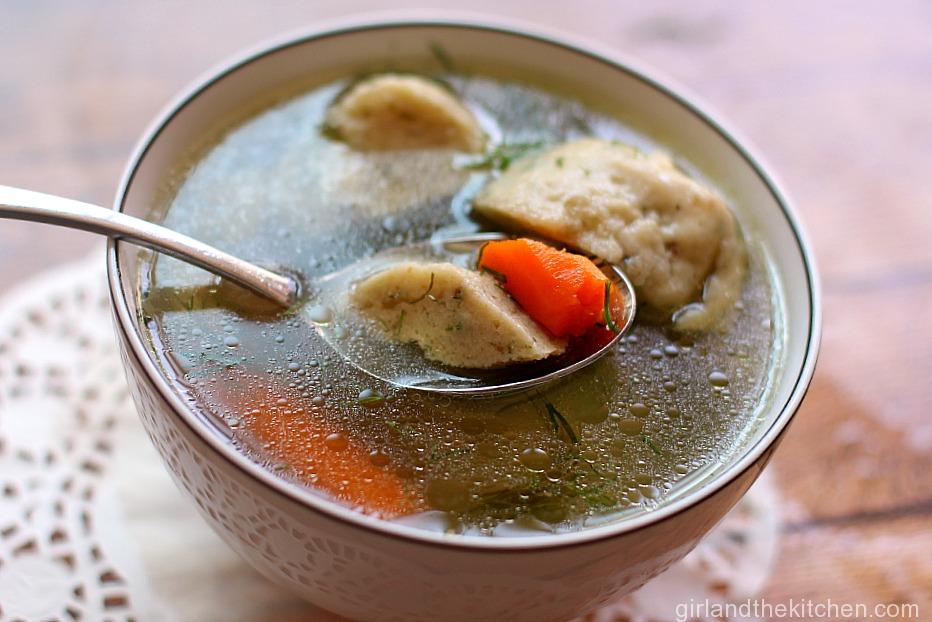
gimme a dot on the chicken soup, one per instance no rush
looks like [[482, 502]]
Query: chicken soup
[[331, 175]]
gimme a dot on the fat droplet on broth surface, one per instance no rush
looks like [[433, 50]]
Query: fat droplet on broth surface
[[318, 314], [718, 379], [336, 441], [378, 458], [631, 427], [370, 398], [594, 414], [649, 491], [535, 459], [639, 410]]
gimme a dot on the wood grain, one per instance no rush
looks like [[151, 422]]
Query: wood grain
[[837, 95]]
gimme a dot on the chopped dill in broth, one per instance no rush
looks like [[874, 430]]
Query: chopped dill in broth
[[614, 440]]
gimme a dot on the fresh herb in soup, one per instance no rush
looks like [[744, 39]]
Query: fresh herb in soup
[[348, 169]]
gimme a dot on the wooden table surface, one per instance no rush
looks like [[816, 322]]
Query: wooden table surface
[[838, 96]]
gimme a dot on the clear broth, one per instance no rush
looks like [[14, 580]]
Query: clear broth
[[618, 439]]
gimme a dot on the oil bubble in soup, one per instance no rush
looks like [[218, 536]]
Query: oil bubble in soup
[[615, 440]]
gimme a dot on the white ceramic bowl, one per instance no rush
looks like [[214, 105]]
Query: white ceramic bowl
[[368, 569]]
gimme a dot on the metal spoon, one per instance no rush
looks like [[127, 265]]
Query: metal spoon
[[45, 208], [399, 364]]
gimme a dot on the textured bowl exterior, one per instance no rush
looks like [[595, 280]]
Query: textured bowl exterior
[[365, 575], [366, 569]]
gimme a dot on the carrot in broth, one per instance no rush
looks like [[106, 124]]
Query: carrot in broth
[[316, 453]]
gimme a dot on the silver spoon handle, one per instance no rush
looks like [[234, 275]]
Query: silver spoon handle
[[45, 208]]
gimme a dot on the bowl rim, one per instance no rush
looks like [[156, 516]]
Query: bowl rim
[[127, 324]]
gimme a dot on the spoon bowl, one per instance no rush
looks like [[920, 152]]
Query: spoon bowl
[[365, 347]]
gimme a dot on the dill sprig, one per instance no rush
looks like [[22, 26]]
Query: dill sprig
[[442, 56], [430, 286], [502, 156], [653, 447], [498, 276], [607, 309], [559, 421]]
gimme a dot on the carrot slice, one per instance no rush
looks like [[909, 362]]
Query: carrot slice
[[561, 291], [316, 453]]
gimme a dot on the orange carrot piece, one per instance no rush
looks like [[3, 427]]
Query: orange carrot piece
[[317, 454], [561, 291]]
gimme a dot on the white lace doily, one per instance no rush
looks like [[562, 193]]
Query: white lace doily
[[91, 527]]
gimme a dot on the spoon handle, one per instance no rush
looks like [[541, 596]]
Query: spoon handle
[[45, 208]]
